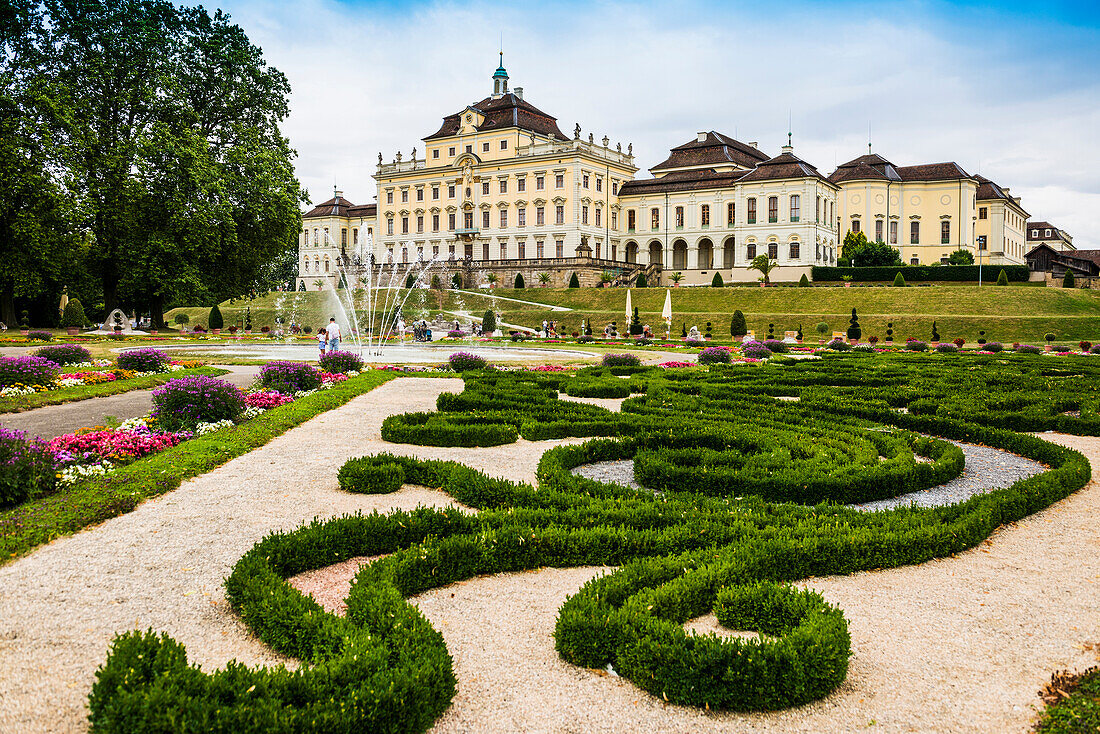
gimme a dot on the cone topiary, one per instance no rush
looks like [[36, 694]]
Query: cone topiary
[[641, 282], [489, 322], [519, 281], [899, 280], [803, 282], [214, 320], [1068, 281], [74, 315], [1002, 279], [574, 281], [716, 281], [738, 327], [854, 332]]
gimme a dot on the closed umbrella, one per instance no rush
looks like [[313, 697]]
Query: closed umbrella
[[629, 310], [666, 312], [64, 300]]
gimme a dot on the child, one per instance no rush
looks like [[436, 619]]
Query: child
[[322, 340]]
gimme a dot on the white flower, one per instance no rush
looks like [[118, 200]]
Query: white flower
[[8, 392], [132, 423], [73, 474], [204, 428], [251, 412]]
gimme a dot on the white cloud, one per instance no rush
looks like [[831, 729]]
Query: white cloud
[[368, 80]]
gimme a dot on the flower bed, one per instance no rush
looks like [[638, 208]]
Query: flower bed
[[289, 377], [27, 371], [186, 402], [145, 359], [64, 354], [756, 350], [715, 355], [341, 362]]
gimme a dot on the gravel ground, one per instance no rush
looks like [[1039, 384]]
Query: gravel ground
[[960, 644], [986, 469], [54, 420]]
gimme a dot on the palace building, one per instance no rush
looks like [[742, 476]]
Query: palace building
[[500, 188]]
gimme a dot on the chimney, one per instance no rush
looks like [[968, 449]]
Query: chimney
[[519, 92], [701, 137]]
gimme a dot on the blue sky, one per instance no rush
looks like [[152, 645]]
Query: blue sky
[[1011, 90]]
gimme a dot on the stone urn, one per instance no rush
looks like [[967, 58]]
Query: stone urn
[[72, 330]]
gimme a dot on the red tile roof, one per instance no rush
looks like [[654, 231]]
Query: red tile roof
[[502, 113], [715, 149]]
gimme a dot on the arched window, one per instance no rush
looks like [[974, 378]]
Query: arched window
[[326, 264], [316, 235], [704, 215], [305, 265]]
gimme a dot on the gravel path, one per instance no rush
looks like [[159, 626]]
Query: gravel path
[[960, 644], [54, 420], [986, 469]]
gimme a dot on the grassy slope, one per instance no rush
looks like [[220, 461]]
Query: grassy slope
[[1006, 314]]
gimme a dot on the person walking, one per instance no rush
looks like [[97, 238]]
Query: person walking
[[333, 331], [322, 341]]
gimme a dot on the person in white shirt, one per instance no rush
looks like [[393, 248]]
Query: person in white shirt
[[333, 330]]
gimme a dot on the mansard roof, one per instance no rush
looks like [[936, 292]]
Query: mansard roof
[[873, 167], [783, 166], [715, 149], [989, 191], [507, 111], [338, 206], [335, 207], [691, 180]]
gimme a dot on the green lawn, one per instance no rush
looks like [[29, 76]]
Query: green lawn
[[1006, 314]]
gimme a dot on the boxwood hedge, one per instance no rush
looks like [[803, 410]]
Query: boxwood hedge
[[696, 545]]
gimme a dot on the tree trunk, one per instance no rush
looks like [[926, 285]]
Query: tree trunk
[[156, 310], [110, 289], [7, 306]]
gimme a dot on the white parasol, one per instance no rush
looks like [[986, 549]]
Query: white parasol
[[666, 312], [629, 310]]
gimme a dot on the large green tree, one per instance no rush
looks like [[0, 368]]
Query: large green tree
[[173, 146], [864, 253], [36, 236]]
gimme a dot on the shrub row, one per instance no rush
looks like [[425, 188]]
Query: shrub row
[[913, 273]]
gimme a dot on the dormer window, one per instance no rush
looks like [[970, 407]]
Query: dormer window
[[1047, 233]]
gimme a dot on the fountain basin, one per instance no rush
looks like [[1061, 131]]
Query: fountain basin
[[393, 354]]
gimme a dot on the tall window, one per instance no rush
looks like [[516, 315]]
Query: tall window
[[540, 183], [451, 222], [559, 180], [450, 191], [750, 251], [389, 197], [389, 226], [420, 194], [631, 220], [817, 211], [893, 233], [468, 220], [773, 209], [485, 219], [796, 207], [878, 230], [914, 233], [485, 188], [521, 184], [503, 250], [704, 215], [504, 186], [559, 248], [855, 225], [615, 188], [355, 235], [794, 251], [750, 215], [521, 217], [485, 251], [584, 215], [404, 195], [343, 236], [559, 214], [522, 250], [585, 181], [599, 184], [614, 220], [503, 218], [599, 216], [540, 215], [404, 225], [435, 193], [773, 250], [540, 249], [435, 222], [420, 223], [655, 218], [731, 214], [945, 232], [435, 153], [679, 217]]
